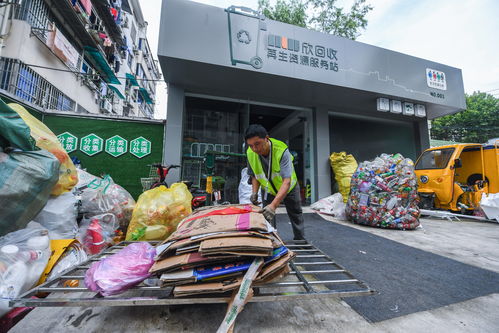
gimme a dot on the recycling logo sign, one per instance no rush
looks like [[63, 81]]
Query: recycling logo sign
[[116, 146], [91, 144], [140, 147], [68, 141]]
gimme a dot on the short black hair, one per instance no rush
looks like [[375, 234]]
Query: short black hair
[[255, 130]]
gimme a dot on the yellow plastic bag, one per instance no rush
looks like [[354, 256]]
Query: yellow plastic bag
[[158, 212], [46, 139], [343, 166]]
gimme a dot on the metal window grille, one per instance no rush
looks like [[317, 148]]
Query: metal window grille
[[20, 80]]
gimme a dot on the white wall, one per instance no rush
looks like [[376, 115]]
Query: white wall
[[32, 51]]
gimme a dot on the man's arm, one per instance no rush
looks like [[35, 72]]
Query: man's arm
[[281, 194], [255, 185]]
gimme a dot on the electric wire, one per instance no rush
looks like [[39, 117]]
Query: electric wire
[[88, 74]]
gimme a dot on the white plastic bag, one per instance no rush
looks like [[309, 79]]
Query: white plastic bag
[[245, 189], [490, 205], [59, 216], [23, 257], [332, 205]]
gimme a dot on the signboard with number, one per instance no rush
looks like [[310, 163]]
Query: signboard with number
[[68, 141], [91, 144], [116, 146], [140, 147]]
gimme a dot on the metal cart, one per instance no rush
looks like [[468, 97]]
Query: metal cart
[[245, 26], [313, 275]]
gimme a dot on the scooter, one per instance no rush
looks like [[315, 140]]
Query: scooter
[[198, 195]]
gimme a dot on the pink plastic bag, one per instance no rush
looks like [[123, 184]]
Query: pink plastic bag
[[117, 273]]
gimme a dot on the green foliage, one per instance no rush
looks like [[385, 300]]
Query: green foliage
[[320, 15], [291, 11], [478, 123]]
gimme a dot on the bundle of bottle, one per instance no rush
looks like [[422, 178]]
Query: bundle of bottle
[[383, 193]]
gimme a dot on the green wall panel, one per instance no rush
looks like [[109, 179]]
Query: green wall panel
[[126, 170]]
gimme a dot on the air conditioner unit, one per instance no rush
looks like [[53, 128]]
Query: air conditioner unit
[[106, 106], [137, 52]]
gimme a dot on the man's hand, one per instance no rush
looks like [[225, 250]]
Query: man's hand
[[268, 212], [254, 199]]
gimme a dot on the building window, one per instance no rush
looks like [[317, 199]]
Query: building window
[[26, 85], [64, 103]]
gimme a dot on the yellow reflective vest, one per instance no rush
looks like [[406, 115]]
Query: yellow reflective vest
[[270, 180]]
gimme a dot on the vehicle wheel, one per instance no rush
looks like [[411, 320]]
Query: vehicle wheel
[[256, 62], [474, 178]]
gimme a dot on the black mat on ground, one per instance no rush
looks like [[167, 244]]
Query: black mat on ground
[[407, 279]]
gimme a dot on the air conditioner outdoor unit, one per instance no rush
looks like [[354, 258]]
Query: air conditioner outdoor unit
[[106, 106], [137, 52]]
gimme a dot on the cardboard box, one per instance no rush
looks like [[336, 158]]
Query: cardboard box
[[186, 261], [202, 223], [252, 246], [207, 287]]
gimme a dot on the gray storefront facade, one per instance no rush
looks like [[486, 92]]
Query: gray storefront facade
[[319, 93]]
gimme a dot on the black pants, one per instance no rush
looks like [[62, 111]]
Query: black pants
[[292, 201]]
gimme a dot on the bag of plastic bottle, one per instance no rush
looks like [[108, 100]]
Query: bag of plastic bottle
[[97, 232], [117, 273], [384, 193], [46, 139], [23, 257], [105, 196], [158, 212], [59, 216], [343, 166]]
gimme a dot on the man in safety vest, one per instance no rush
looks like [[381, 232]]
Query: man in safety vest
[[271, 168]]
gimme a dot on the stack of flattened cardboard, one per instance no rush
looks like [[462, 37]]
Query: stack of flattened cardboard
[[212, 249]]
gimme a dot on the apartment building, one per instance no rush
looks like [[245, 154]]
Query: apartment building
[[82, 56]]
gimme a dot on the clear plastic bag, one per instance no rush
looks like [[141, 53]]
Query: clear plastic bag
[[117, 273], [384, 193], [59, 216], [46, 139], [158, 211], [97, 232], [105, 196], [23, 257]]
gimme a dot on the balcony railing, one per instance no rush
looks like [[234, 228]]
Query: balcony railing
[[22, 82]]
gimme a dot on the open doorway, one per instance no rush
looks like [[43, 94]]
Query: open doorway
[[293, 128]]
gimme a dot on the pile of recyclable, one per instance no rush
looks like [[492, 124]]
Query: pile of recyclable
[[384, 193]]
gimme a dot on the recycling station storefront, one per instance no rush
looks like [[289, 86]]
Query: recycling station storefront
[[317, 92]]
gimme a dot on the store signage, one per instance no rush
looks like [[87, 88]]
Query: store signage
[[405, 108], [436, 79], [91, 144], [420, 110], [302, 53], [116, 146], [395, 106], [140, 147], [68, 141], [383, 104], [408, 109]]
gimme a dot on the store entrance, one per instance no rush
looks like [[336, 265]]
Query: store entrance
[[292, 127], [216, 124]]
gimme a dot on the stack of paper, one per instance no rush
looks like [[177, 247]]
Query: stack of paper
[[212, 249]]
